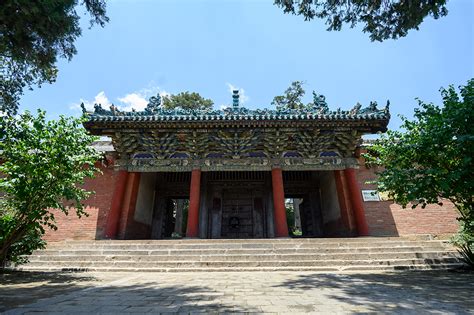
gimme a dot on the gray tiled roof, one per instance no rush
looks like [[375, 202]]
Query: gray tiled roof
[[151, 114]]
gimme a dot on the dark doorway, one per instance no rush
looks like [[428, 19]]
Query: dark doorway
[[310, 216], [170, 218], [236, 204], [302, 191], [171, 205]]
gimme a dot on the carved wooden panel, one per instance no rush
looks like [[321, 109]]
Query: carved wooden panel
[[237, 207]]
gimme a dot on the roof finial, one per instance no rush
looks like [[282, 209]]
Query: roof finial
[[235, 99]]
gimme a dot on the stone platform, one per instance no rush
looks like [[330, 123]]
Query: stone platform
[[284, 254]]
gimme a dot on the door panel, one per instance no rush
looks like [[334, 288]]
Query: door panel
[[237, 208], [258, 217], [310, 213], [216, 218], [157, 221]]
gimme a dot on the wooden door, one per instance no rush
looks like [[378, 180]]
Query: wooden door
[[237, 213], [310, 213], [157, 220], [259, 216]]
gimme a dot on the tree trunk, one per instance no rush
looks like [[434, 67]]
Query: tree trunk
[[14, 237]]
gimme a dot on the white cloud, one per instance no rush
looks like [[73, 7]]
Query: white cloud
[[149, 91], [243, 98], [165, 94], [100, 98], [137, 100], [133, 100]]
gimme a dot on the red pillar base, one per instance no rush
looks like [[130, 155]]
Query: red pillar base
[[192, 229], [356, 201], [281, 225]]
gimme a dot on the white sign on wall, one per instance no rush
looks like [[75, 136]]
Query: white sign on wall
[[370, 195]]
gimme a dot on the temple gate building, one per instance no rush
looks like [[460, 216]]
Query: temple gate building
[[233, 170]]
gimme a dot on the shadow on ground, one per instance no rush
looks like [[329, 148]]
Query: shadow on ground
[[149, 298], [404, 291], [67, 293], [21, 287], [22, 277]]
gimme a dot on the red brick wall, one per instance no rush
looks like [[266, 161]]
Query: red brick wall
[[128, 227], [387, 218], [383, 218], [433, 219], [97, 206]]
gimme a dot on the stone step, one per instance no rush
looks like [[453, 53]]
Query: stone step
[[363, 254], [243, 264], [326, 269], [316, 269], [260, 240], [157, 246], [245, 257], [160, 252]]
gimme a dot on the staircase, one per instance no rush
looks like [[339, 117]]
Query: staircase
[[320, 255]]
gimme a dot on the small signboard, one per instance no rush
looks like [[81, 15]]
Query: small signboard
[[370, 195]]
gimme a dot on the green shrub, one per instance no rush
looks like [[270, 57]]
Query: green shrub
[[464, 240], [44, 165], [18, 251]]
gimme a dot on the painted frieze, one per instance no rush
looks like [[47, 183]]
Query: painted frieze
[[236, 138]]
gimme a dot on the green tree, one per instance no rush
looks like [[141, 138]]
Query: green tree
[[43, 166], [382, 19], [33, 35], [187, 100], [292, 97], [432, 159]]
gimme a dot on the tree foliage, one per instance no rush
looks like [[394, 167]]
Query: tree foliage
[[33, 35], [382, 19], [20, 250], [187, 100], [292, 97], [43, 165], [432, 158]]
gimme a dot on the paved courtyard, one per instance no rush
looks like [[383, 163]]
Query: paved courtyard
[[237, 292]]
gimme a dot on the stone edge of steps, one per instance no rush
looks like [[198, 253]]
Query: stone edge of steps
[[243, 269]]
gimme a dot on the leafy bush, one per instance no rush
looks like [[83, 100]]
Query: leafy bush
[[432, 159], [464, 240], [44, 164], [18, 251]]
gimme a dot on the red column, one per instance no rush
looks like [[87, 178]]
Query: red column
[[128, 203], [281, 226], [116, 205], [192, 228], [343, 200], [356, 201]]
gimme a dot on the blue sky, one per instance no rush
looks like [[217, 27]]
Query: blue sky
[[168, 46]]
